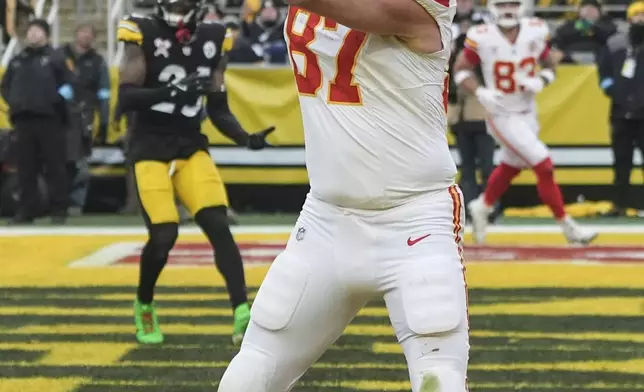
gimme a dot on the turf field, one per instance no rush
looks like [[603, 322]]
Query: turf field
[[544, 318]]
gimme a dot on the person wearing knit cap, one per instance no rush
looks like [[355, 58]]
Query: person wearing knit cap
[[635, 16], [621, 73], [584, 36]]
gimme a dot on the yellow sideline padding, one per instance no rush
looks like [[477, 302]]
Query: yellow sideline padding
[[573, 110], [576, 210]]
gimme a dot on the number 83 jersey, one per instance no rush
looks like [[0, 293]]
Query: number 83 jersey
[[504, 63], [166, 60]]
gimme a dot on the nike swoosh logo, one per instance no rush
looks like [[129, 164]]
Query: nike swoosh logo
[[414, 241]]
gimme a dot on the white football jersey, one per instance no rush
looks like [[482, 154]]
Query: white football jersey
[[373, 111], [504, 62]]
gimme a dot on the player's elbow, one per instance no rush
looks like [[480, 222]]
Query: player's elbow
[[125, 97], [217, 105], [462, 63]]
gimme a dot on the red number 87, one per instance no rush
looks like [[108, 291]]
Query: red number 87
[[342, 89]]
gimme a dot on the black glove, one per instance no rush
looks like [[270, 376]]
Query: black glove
[[193, 85], [257, 141]]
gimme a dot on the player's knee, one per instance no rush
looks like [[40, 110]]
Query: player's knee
[[251, 370], [544, 168], [162, 238], [214, 221], [442, 378]]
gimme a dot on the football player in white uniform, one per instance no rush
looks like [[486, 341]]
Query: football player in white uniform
[[383, 218], [510, 50]]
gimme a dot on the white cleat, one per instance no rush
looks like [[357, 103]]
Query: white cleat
[[479, 212], [575, 234]]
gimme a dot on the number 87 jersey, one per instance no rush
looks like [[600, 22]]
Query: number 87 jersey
[[504, 63], [373, 110]]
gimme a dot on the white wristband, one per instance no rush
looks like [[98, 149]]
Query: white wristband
[[460, 76], [547, 75]]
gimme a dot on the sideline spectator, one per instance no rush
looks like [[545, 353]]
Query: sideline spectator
[[581, 39], [263, 26], [92, 90], [242, 51], [621, 71], [35, 87]]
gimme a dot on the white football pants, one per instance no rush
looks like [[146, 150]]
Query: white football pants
[[337, 260], [518, 136]]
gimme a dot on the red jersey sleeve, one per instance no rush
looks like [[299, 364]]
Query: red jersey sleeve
[[471, 55], [545, 53]]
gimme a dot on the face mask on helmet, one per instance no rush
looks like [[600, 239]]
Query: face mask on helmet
[[179, 12], [506, 14]]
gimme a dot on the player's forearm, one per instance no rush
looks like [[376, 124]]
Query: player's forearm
[[225, 121], [548, 69], [133, 97], [465, 79], [382, 17], [464, 67]]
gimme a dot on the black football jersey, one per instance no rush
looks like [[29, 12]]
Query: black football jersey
[[166, 60]]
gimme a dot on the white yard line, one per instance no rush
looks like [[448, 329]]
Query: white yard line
[[279, 229]]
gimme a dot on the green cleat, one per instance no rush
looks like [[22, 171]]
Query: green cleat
[[147, 324], [242, 318]]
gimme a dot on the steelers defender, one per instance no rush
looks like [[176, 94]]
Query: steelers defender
[[172, 62]]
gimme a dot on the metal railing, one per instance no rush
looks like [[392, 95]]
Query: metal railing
[[116, 9], [52, 18]]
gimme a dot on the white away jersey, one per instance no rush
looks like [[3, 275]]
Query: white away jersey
[[503, 62], [373, 111]]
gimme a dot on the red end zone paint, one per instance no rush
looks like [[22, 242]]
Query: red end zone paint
[[254, 253], [260, 252], [193, 254], [604, 254]]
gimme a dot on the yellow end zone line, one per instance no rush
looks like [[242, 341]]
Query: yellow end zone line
[[597, 306], [626, 366], [375, 384], [355, 330], [63, 385]]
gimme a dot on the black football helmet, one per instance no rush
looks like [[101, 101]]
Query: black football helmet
[[177, 13]]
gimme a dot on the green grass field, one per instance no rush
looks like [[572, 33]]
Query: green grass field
[[534, 327]]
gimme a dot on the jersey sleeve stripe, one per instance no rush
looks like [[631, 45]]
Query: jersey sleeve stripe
[[227, 46], [129, 32], [471, 44], [471, 56], [129, 26], [428, 7], [546, 52]]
